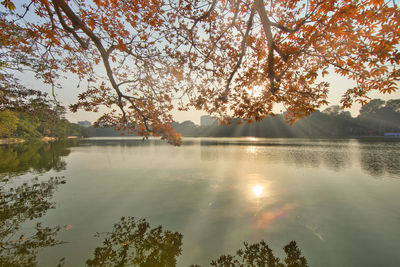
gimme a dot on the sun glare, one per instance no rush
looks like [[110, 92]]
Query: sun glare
[[256, 91], [257, 190]]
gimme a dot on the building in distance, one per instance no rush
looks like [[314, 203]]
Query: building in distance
[[207, 120]]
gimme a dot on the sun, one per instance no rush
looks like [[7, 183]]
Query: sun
[[256, 91]]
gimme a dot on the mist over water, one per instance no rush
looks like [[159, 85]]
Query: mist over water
[[337, 198]]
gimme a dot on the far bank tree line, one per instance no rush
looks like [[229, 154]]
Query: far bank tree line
[[375, 119], [43, 121]]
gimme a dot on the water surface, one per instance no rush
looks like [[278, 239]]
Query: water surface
[[338, 199]]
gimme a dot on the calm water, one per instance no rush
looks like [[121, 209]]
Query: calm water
[[338, 199]]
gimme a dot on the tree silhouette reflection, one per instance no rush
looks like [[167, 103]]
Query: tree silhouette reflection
[[260, 254], [24, 200], [36, 157], [19, 204], [133, 243]]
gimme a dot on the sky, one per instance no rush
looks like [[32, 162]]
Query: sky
[[68, 95]]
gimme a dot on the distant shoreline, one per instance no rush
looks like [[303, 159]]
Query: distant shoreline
[[11, 141], [8, 141]]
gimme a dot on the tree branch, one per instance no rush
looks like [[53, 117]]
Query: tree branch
[[205, 15], [65, 26], [78, 23], [259, 5], [242, 53]]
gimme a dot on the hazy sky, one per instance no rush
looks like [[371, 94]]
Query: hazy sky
[[68, 95], [69, 91]]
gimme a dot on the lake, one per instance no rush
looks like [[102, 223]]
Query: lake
[[339, 199]]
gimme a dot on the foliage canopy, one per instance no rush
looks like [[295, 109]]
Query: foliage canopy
[[233, 59]]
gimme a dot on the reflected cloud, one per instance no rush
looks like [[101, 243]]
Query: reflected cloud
[[265, 219]]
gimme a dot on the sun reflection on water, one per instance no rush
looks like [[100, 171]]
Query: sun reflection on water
[[257, 190], [251, 149]]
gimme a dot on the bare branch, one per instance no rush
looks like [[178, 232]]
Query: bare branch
[[78, 23], [259, 5], [242, 53], [66, 28], [127, 81], [205, 15]]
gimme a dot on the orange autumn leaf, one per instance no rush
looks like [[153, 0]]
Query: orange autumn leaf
[[209, 55]]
